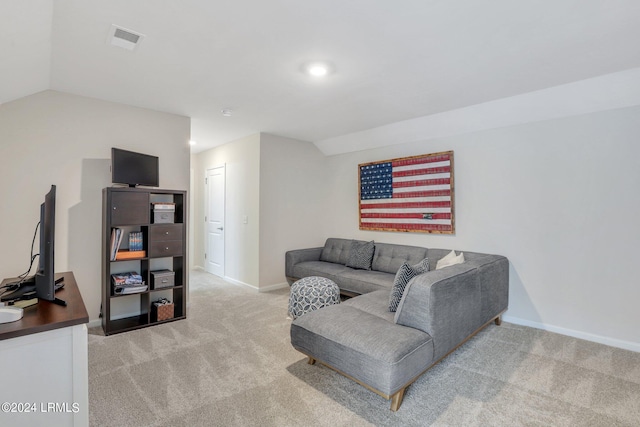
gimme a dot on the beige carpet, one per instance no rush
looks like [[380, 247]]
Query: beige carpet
[[231, 363]]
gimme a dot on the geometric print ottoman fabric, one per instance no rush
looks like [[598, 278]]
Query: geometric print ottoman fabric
[[311, 293]]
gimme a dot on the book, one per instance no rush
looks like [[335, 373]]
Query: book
[[112, 245], [130, 278], [127, 254], [116, 241], [25, 303], [135, 241], [164, 206], [126, 290], [127, 283]]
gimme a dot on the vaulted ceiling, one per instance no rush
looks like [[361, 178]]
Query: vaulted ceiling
[[393, 60]]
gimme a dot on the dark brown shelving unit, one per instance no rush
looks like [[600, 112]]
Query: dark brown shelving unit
[[165, 248]]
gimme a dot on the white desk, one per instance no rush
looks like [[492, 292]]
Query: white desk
[[44, 364]]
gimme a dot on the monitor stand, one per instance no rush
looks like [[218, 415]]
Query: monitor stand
[[27, 290]]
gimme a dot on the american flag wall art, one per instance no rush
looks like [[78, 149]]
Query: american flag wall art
[[413, 194]]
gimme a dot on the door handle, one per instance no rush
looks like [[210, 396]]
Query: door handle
[[220, 228]]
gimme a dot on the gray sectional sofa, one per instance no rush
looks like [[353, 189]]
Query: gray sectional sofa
[[330, 261], [386, 351]]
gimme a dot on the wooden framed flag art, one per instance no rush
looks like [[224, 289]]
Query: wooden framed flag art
[[410, 194]]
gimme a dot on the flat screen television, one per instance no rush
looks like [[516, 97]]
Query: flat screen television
[[133, 169], [43, 284]]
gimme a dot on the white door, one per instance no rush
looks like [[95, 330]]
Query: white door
[[214, 218]]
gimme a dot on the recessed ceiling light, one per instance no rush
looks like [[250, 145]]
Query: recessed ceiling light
[[318, 68], [227, 112]]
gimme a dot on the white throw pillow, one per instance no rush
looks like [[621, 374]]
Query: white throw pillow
[[445, 259], [450, 259]]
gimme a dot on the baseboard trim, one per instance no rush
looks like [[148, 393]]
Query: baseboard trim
[[98, 322], [94, 323], [613, 342], [273, 287], [238, 282], [255, 288]]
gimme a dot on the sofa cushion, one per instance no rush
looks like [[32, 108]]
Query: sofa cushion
[[348, 279], [320, 268], [361, 255], [373, 303], [405, 273], [336, 250], [363, 281], [376, 352], [389, 257]]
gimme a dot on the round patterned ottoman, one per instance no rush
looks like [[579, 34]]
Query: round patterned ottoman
[[311, 293]]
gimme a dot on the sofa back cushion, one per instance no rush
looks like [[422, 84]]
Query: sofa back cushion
[[388, 257], [336, 250]]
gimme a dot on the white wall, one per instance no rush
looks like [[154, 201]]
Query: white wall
[[58, 138], [242, 160], [559, 198], [278, 184], [292, 202]]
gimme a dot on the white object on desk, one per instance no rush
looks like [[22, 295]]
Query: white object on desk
[[10, 314]]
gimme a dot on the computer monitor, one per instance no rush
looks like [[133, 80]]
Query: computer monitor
[[42, 285], [133, 169]]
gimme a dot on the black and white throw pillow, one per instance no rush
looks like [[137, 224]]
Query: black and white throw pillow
[[361, 255], [405, 273]]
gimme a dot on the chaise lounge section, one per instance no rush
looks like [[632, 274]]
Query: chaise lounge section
[[386, 351]]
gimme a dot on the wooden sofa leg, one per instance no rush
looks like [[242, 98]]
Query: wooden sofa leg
[[311, 361], [396, 399], [498, 320]]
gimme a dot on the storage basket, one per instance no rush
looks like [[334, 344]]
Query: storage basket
[[161, 312], [162, 279], [164, 213]]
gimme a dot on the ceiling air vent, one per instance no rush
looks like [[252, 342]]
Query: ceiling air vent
[[124, 38]]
